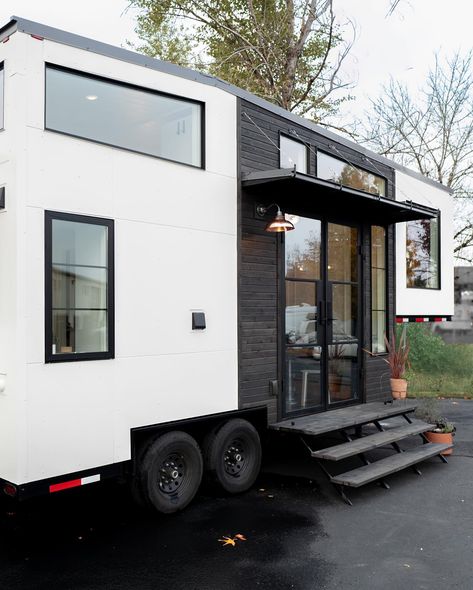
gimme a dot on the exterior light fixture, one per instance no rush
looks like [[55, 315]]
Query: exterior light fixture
[[279, 223]]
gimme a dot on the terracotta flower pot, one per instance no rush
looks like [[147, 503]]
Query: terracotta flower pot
[[444, 438], [399, 388]]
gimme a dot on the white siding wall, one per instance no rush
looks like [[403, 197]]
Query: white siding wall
[[175, 251], [425, 302]]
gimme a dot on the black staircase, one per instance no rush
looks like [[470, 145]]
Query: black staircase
[[341, 421]]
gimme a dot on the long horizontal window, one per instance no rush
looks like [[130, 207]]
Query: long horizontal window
[[330, 168], [124, 116], [422, 253], [79, 287]]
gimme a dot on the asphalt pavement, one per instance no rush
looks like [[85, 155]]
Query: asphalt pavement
[[290, 531]]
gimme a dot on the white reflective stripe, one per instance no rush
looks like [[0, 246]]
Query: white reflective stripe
[[90, 479]]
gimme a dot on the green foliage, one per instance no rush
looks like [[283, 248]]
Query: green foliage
[[426, 349], [278, 49], [430, 354]]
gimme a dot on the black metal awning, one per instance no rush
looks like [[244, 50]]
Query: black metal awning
[[291, 188]]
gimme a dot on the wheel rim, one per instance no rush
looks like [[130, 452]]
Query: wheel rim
[[172, 473], [234, 457]]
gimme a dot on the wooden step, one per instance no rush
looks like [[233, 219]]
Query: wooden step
[[367, 443], [391, 464], [343, 418]]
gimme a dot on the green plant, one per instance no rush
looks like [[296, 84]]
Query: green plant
[[429, 412], [398, 354]]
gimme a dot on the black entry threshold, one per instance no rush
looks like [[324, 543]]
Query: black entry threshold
[[335, 420]]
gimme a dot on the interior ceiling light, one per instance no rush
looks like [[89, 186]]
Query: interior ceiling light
[[91, 97], [279, 223]]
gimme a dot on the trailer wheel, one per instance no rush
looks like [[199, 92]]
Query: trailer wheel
[[171, 472], [232, 455]]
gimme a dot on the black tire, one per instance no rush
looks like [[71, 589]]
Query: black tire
[[232, 455], [170, 472]]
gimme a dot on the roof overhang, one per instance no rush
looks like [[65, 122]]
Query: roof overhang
[[289, 187]]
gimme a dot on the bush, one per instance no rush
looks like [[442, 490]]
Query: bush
[[427, 350]]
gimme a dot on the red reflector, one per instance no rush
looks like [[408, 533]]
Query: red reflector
[[9, 490], [57, 487], [6, 39], [38, 37], [438, 319], [419, 319], [399, 320]]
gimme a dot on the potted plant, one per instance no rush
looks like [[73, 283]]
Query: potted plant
[[442, 431], [398, 360]]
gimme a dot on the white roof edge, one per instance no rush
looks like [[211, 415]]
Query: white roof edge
[[59, 36]]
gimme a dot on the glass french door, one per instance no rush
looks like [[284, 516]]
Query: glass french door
[[322, 309]]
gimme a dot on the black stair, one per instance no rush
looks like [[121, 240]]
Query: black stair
[[378, 469], [367, 443]]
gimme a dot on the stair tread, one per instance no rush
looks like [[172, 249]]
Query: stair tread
[[367, 443], [368, 473]]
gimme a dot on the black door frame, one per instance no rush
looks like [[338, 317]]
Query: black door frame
[[325, 406]]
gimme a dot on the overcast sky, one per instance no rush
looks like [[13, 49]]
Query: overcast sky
[[402, 45]]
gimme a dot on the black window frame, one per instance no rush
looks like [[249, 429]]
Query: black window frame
[[439, 262], [303, 143], [113, 82], [49, 217], [356, 167], [386, 295], [2, 97]]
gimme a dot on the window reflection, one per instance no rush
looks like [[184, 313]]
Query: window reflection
[[342, 371], [292, 153], [330, 168], [303, 250], [342, 253], [423, 245], [303, 378], [378, 288]]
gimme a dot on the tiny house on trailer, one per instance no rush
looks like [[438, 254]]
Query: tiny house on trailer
[[150, 325]]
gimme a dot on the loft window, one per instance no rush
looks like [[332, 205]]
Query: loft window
[[378, 288], [124, 116], [330, 168], [422, 253], [79, 287], [2, 100], [292, 153]]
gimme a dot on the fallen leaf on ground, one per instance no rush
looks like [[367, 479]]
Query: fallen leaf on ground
[[240, 537], [227, 541]]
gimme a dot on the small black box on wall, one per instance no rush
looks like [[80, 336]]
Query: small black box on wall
[[2, 197], [198, 320]]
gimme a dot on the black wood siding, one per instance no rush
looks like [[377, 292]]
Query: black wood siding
[[259, 263]]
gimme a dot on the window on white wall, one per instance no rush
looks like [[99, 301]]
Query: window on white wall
[[125, 116], [292, 153], [2, 100], [423, 253], [79, 287]]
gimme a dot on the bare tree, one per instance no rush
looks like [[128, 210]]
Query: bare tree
[[433, 133], [288, 52]]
